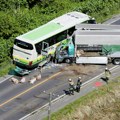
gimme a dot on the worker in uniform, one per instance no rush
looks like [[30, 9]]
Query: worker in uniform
[[107, 74], [78, 85], [71, 86]]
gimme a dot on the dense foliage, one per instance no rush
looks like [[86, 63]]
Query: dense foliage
[[20, 16]]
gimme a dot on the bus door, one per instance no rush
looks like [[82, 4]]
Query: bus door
[[45, 45]]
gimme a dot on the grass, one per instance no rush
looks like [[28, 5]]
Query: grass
[[102, 19], [5, 68], [99, 104]]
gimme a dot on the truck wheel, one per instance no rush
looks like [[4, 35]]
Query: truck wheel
[[116, 61], [68, 60]]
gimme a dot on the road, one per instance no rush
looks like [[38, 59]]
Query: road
[[18, 100], [64, 100]]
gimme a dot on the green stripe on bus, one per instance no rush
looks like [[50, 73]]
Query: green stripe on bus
[[41, 31]]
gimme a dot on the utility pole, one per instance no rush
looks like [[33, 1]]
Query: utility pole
[[49, 109], [49, 105]]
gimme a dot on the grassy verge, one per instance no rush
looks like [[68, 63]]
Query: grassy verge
[[5, 68], [104, 18], [101, 104]]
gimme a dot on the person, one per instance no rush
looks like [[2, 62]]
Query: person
[[79, 83], [107, 74], [71, 86]]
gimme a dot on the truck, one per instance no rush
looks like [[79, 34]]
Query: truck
[[91, 44]]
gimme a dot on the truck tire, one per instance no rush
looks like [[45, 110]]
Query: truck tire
[[116, 61], [68, 60]]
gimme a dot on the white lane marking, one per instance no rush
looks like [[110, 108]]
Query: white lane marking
[[115, 20], [6, 79]]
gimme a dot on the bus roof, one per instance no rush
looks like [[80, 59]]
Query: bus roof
[[54, 27]]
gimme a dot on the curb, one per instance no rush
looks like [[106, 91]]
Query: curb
[[6, 78]]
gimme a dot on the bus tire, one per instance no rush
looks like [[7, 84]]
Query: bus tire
[[68, 60], [116, 61]]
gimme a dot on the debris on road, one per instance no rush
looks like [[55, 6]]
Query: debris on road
[[21, 71], [14, 80], [32, 81], [23, 80], [38, 77]]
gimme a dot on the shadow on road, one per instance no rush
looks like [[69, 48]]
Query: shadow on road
[[104, 79], [67, 92]]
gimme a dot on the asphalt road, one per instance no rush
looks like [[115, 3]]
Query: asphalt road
[[116, 22], [18, 100], [64, 100]]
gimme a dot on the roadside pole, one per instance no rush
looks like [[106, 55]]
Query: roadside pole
[[49, 109], [51, 94]]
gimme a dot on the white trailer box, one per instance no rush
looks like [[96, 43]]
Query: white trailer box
[[91, 60]]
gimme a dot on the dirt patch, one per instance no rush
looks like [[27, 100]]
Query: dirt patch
[[78, 69]]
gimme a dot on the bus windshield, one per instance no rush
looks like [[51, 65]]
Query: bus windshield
[[23, 45]]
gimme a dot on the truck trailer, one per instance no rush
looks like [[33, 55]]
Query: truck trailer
[[92, 44]]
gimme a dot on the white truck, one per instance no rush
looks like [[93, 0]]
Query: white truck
[[92, 44]]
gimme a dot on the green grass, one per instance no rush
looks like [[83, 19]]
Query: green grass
[[5, 68], [72, 107], [102, 19]]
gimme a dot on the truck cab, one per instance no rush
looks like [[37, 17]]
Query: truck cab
[[65, 53]]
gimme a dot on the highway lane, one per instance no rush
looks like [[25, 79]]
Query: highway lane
[[25, 103], [117, 22], [9, 89], [35, 98]]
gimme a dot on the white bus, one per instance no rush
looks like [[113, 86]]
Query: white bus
[[28, 48]]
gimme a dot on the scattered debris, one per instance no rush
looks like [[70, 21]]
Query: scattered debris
[[38, 77], [21, 71], [14, 80], [32, 81], [23, 80]]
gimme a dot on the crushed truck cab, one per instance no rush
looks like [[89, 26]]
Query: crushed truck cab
[[65, 53]]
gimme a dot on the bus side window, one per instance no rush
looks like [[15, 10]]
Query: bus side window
[[71, 30], [61, 36], [38, 47], [51, 41], [45, 45]]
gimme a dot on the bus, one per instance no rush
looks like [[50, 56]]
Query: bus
[[38, 46]]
